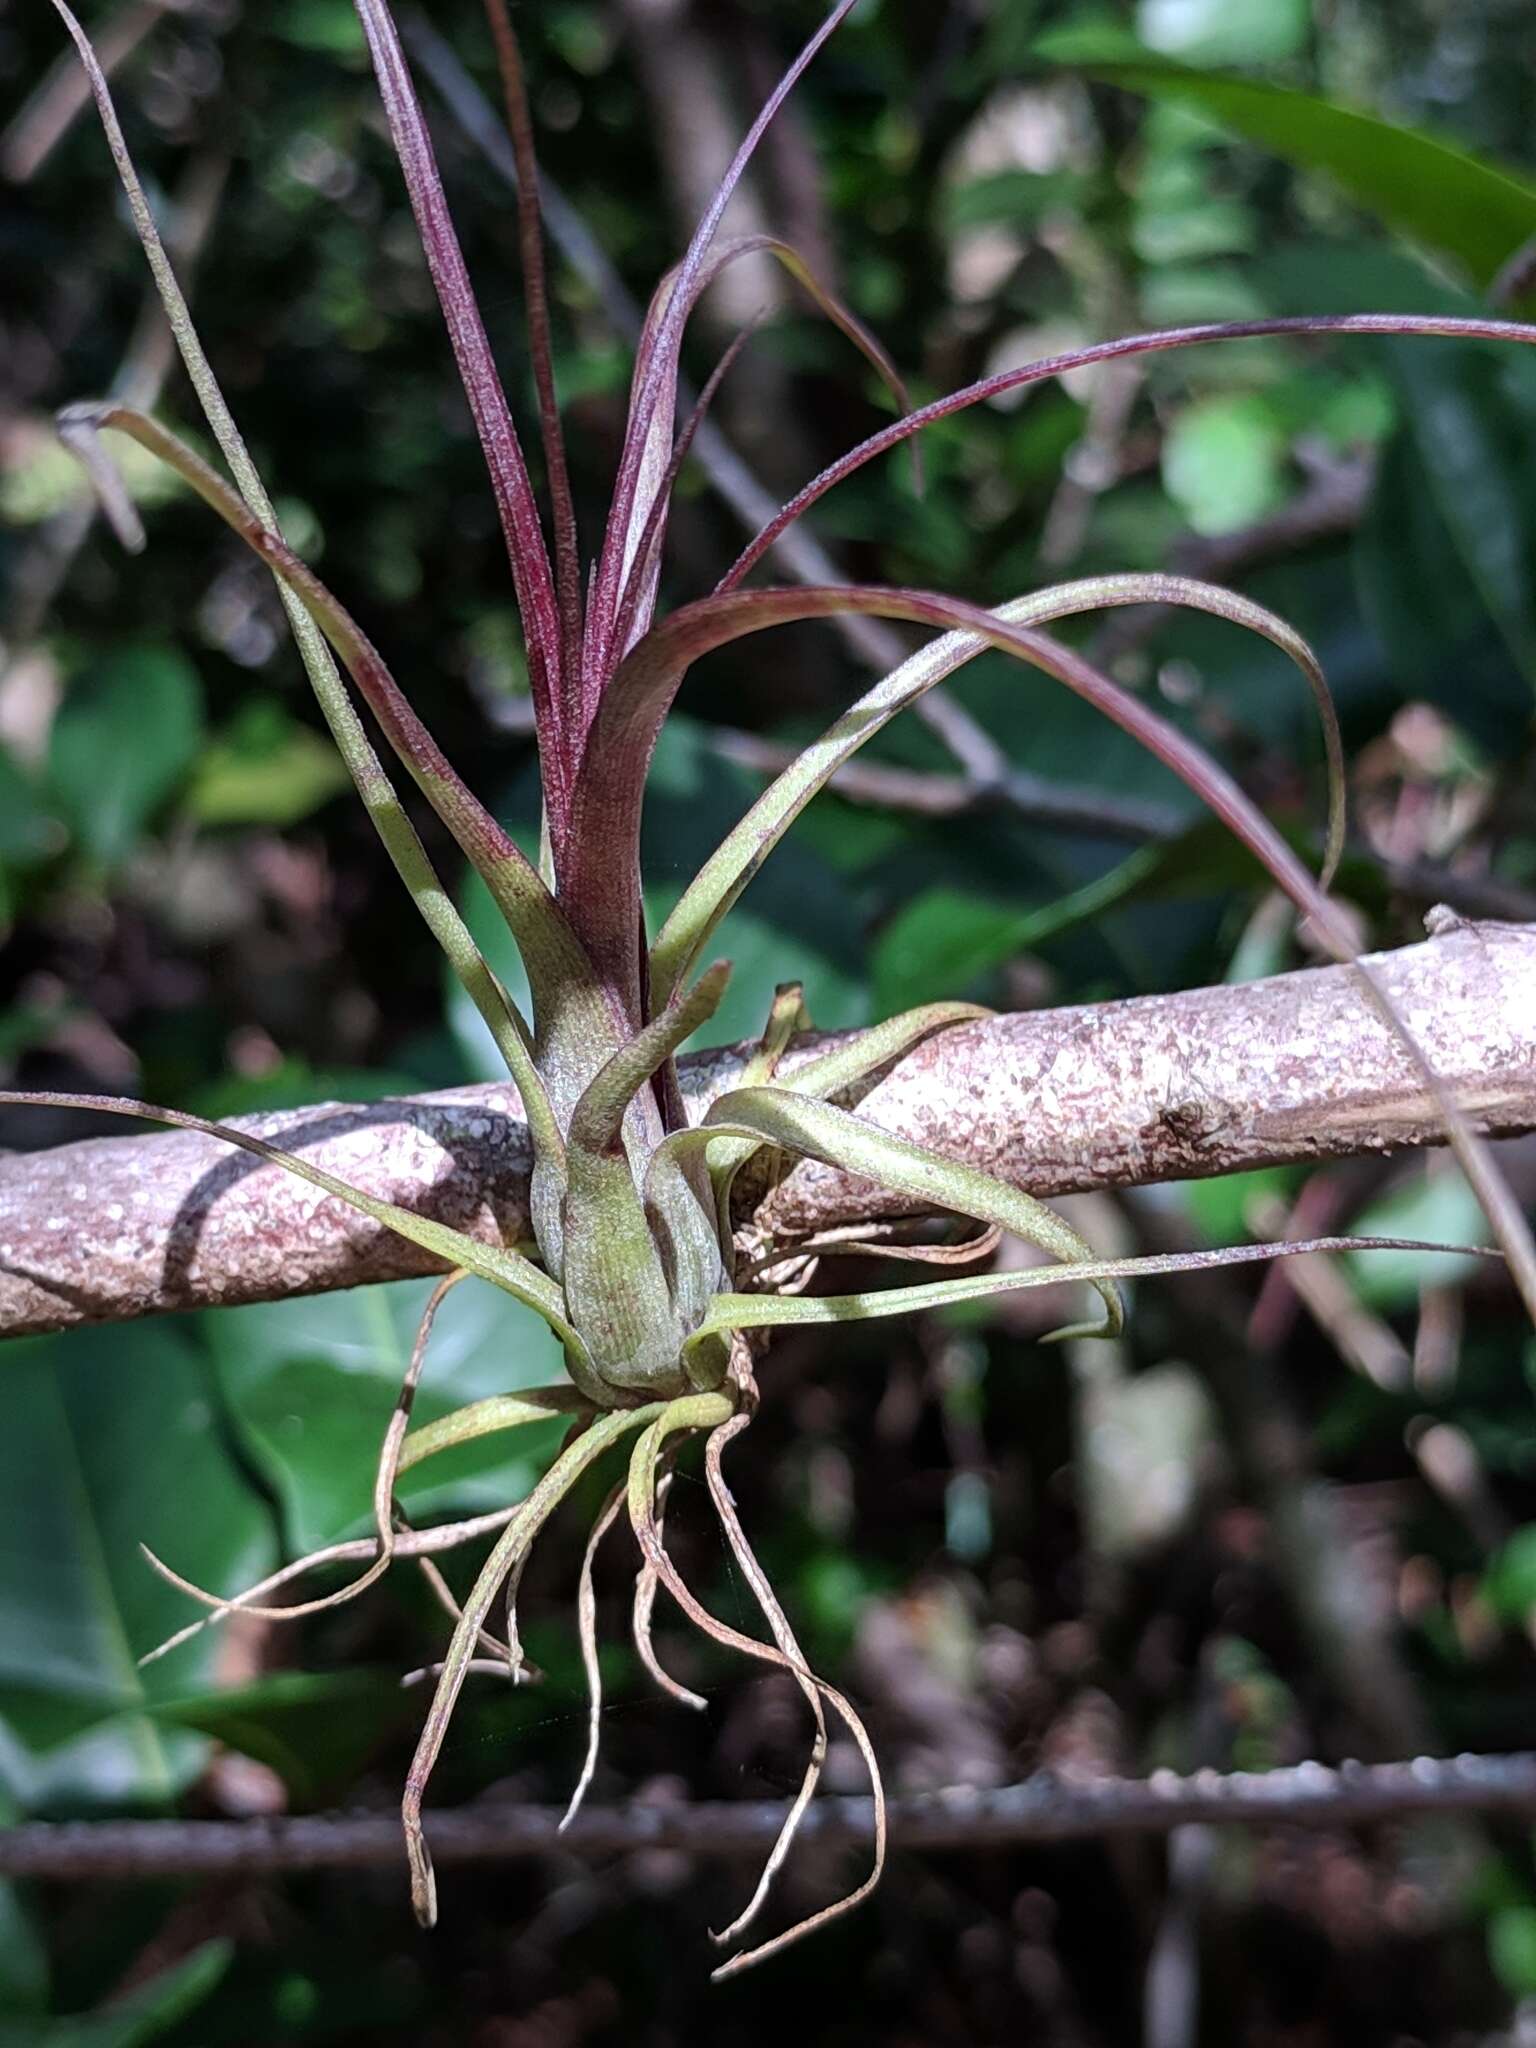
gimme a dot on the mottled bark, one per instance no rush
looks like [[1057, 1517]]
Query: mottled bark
[[1114, 1094]]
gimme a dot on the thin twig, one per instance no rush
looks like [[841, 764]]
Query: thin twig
[[1045, 1808], [925, 793], [138, 381]]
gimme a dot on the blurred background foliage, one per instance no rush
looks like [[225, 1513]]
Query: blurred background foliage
[[1266, 1527]]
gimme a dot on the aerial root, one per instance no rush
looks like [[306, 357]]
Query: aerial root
[[381, 1551], [503, 1653], [762, 1589], [519, 1670], [870, 1241], [477, 1667], [644, 1609], [512, 1546], [417, 1543], [586, 1623], [677, 1417]]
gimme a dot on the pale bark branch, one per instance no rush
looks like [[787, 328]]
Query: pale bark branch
[[1045, 1808], [1115, 1094]]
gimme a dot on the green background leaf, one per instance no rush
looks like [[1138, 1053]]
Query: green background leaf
[[125, 736], [1437, 194]]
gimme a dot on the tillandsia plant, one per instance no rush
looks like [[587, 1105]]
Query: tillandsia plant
[[638, 1259]]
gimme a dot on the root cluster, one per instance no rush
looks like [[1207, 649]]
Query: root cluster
[[663, 1426]]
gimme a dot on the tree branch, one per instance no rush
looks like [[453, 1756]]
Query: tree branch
[[1115, 1094], [1046, 1808]]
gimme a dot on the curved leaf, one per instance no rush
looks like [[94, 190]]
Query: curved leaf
[[1446, 326], [609, 789], [648, 432], [772, 1311], [384, 807], [482, 387], [641, 566], [819, 1130], [718, 884]]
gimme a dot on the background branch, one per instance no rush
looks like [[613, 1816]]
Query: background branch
[[1155, 1088], [1045, 1808]]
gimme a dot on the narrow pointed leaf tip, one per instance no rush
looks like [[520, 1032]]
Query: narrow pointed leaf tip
[[503, 451], [79, 429], [657, 382]]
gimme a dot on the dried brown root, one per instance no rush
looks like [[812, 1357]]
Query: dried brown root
[[871, 1241], [492, 1645], [586, 1623], [383, 1552], [417, 1543], [519, 1670], [690, 1413], [784, 1636], [477, 1667], [643, 1612]]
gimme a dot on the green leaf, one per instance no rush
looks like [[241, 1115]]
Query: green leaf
[[1509, 1583], [265, 769], [799, 922], [1437, 1206], [316, 1730], [144, 2014], [948, 940], [1218, 1208], [488, 929], [311, 1385], [330, 26], [822, 1131], [1512, 1949], [1474, 443], [1431, 619], [128, 729], [110, 1441], [28, 832], [1224, 462], [23, 1952], [1444, 199], [1015, 199]]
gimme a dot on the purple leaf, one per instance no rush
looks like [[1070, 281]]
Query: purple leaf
[[487, 401], [599, 878], [648, 520], [644, 449], [530, 237], [1444, 325]]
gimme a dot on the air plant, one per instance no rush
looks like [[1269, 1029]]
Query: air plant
[[635, 1260]]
